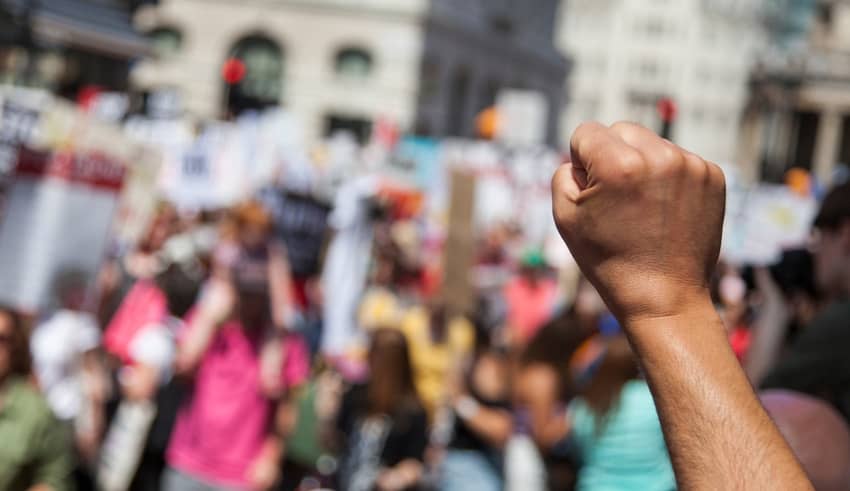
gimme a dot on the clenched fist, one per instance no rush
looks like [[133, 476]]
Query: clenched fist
[[642, 217]]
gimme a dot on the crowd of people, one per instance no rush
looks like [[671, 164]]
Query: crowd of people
[[201, 366]]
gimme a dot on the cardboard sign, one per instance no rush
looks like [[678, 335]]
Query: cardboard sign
[[457, 290]]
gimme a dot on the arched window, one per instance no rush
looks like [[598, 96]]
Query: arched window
[[165, 41], [353, 63], [262, 83]]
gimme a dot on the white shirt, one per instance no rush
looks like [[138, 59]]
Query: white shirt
[[155, 345], [57, 347]]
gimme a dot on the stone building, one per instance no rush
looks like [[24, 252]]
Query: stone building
[[428, 66], [628, 54], [66, 45], [798, 113]]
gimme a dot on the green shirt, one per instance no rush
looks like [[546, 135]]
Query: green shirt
[[34, 446]]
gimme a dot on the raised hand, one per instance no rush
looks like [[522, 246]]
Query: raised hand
[[642, 217]]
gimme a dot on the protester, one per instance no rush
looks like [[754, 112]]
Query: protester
[[226, 434], [121, 272], [817, 362], [146, 381], [440, 344], [615, 427], [531, 299], [483, 423], [36, 449], [68, 365], [543, 388], [382, 424]]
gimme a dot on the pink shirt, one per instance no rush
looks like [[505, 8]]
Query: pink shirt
[[225, 419], [529, 307], [144, 304]]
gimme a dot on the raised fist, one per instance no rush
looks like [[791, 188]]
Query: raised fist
[[642, 217]]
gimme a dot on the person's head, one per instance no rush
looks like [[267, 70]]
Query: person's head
[[490, 375], [253, 223], [162, 226], [390, 372], [253, 302], [70, 289], [832, 243], [616, 367], [14, 345], [533, 265], [817, 435], [551, 347], [180, 287]]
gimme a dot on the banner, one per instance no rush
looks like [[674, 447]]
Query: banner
[[57, 218]]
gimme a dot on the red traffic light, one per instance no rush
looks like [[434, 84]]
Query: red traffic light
[[667, 109], [233, 71]]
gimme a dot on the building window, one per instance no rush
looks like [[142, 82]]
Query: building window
[[430, 85], [502, 24], [165, 41], [262, 83], [824, 15], [359, 128], [353, 63]]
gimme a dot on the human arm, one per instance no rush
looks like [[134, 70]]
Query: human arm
[[643, 219], [769, 329], [538, 393], [401, 476], [216, 305], [493, 425], [281, 292]]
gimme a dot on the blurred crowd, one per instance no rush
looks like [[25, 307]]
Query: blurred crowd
[[212, 360]]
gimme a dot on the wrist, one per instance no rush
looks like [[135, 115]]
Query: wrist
[[466, 407], [683, 312]]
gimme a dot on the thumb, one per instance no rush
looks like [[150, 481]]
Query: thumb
[[567, 184]]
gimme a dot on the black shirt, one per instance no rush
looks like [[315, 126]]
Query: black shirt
[[818, 363], [375, 442]]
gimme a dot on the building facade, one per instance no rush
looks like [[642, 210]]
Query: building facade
[[67, 45], [798, 113], [628, 54], [427, 66]]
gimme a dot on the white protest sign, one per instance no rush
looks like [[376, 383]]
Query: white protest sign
[[522, 117], [57, 217]]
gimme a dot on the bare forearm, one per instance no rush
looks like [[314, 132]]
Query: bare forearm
[[768, 334], [718, 434], [196, 344], [493, 425]]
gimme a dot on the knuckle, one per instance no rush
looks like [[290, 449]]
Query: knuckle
[[670, 156], [695, 165], [624, 126], [716, 175], [630, 163]]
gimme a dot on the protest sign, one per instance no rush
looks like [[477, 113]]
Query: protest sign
[[57, 217], [763, 221], [301, 223]]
